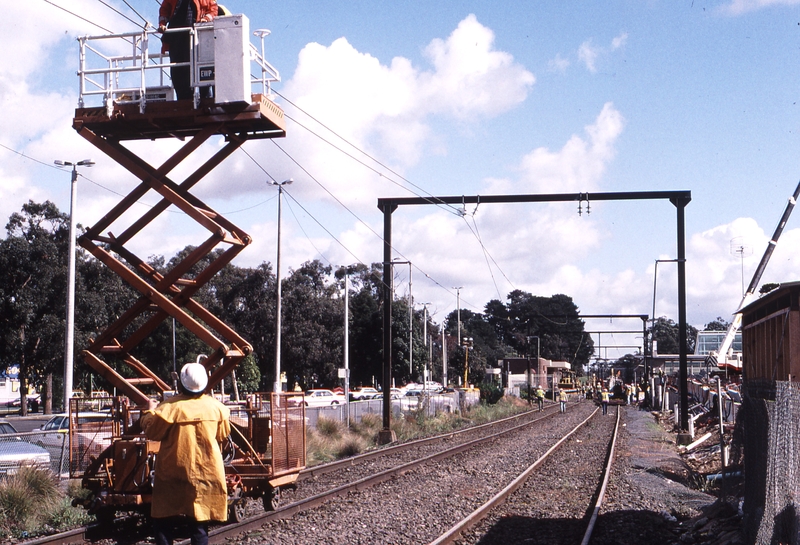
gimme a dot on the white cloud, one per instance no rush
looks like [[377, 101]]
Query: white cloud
[[558, 64], [588, 53], [738, 7], [580, 164], [538, 248], [386, 110]]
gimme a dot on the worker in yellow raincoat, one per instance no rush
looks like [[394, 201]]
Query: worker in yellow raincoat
[[189, 487]]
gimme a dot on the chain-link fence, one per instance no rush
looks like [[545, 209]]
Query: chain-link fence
[[430, 404], [768, 440], [43, 449]]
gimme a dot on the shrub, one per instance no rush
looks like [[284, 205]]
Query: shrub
[[491, 393], [329, 427]]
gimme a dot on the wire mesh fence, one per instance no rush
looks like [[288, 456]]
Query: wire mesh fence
[[42, 449], [431, 405], [767, 439]]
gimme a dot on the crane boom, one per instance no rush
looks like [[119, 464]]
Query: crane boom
[[722, 356]]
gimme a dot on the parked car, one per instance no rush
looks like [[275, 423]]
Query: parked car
[[16, 453], [396, 393], [322, 398], [60, 423], [360, 394]]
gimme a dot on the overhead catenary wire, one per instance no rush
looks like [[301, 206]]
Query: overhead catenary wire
[[364, 223], [406, 180], [78, 16], [432, 199], [146, 22], [118, 12], [308, 238]]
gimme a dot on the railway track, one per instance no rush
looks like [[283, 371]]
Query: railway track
[[433, 492], [520, 512], [324, 481]]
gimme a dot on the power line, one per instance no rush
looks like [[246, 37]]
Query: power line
[[326, 230], [146, 22], [118, 12], [429, 195], [79, 17], [308, 238]]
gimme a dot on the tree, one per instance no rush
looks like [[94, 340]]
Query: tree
[[720, 324], [313, 324], [555, 320], [33, 277], [665, 332], [366, 322]]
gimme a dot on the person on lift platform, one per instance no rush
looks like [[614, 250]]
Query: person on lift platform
[[183, 14]]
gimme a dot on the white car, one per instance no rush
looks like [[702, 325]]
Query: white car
[[322, 398], [96, 427], [15, 453], [364, 393]]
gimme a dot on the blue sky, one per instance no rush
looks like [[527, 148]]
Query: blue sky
[[474, 97]]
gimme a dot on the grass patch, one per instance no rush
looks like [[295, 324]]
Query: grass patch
[[331, 440], [32, 502]]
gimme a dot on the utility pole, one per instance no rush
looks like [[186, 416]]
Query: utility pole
[[458, 310], [276, 387], [425, 343], [347, 347], [410, 317], [70, 321]]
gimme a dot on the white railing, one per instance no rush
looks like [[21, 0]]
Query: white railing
[[121, 69]]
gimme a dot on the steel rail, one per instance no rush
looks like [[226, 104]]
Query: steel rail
[[225, 533], [606, 474], [481, 512], [329, 467]]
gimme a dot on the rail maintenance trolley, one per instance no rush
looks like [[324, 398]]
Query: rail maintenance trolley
[[264, 454], [126, 96]]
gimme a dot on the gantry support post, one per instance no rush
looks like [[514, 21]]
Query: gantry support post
[[680, 203], [386, 434]]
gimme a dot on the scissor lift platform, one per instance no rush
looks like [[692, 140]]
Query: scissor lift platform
[[262, 118]]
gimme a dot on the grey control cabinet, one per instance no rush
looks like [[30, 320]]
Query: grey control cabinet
[[222, 58]]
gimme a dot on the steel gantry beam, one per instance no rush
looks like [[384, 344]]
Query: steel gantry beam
[[680, 199]]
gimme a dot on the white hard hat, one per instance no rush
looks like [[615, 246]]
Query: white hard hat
[[194, 377]]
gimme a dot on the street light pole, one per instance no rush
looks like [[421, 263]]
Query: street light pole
[[70, 320], [653, 316], [276, 387], [410, 317], [529, 363], [458, 310]]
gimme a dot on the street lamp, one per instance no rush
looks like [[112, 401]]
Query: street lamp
[[429, 360], [276, 387], [653, 316], [70, 325], [538, 351], [410, 315], [467, 344]]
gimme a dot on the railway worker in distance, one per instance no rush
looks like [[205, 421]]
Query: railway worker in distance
[[562, 399], [183, 14], [604, 400], [539, 393], [189, 488]]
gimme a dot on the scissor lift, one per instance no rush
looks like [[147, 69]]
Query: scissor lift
[[138, 105]]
